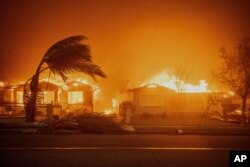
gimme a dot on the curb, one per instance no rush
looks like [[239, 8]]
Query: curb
[[19, 131], [193, 131]]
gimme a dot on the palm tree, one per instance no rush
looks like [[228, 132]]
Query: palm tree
[[66, 56]]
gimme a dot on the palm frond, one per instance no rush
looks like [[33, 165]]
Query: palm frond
[[70, 55]]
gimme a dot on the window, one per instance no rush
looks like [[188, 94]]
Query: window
[[151, 100], [19, 96], [75, 97]]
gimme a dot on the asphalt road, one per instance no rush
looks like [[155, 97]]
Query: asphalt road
[[119, 150]]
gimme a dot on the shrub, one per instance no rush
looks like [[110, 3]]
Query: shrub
[[99, 124], [85, 123]]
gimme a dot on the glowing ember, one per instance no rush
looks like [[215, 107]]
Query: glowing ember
[[165, 80]]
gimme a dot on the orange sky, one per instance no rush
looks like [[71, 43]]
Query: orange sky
[[130, 40]]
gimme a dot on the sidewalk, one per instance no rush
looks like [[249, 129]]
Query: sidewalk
[[193, 130], [194, 126], [173, 127]]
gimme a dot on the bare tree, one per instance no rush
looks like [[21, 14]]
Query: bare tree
[[235, 72], [182, 74]]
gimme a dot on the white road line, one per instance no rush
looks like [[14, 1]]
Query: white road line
[[124, 148]]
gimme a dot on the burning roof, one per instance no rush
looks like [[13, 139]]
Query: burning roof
[[174, 83]]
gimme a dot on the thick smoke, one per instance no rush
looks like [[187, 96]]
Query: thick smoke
[[131, 41]]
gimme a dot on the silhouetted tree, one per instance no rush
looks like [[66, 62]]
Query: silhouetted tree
[[66, 56], [182, 74], [235, 72]]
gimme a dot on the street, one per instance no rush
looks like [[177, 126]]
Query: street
[[119, 150]]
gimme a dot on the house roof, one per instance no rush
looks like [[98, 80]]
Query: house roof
[[43, 85], [154, 85], [76, 85]]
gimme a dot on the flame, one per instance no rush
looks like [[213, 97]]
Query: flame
[[74, 97], [95, 87], [59, 82], [114, 103], [112, 110], [165, 80]]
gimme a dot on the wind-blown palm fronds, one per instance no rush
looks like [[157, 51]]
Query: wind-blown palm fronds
[[66, 56], [70, 55]]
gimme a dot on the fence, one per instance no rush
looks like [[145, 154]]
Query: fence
[[17, 109]]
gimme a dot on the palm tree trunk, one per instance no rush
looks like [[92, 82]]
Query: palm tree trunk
[[30, 108], [31, 105]]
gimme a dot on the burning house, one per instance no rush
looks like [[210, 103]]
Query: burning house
[[151, 99], [155, 99], [78, 96], [68, 98]]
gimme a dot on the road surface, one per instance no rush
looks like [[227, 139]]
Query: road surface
[[119, 150]]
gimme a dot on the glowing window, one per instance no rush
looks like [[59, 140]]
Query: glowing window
[[19, 97], [75, 97]]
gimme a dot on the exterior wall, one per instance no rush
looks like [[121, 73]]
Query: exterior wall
[[195, 102], [172, 101], [87, 96], [166, 106], [7, 95]]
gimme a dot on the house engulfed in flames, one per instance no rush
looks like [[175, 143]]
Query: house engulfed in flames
[[155, 99], [165, 94], [71, 97]]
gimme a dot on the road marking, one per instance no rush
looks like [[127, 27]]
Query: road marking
[[124, 148]]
